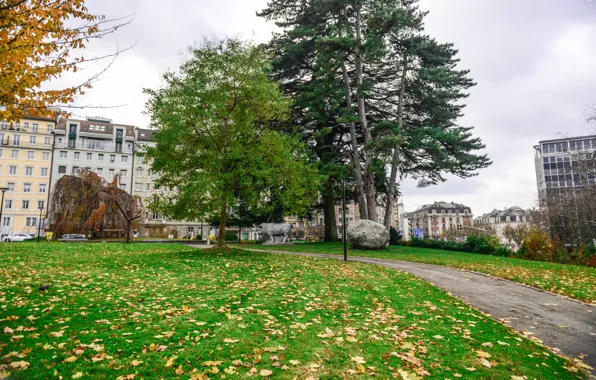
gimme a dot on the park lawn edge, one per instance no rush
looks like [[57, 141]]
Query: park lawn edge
[[388, 255]]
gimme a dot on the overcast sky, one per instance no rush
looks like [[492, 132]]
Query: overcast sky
[[534, 62]]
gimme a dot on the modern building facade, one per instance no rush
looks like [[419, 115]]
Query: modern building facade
[[25, 168], [95, 144], [498, 220], [557, 164], [437, 218]]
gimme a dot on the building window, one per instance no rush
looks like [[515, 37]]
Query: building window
[[14, 154], [123, 186], [100, 157], [44, 172], [26, 187], [148, 187], [148, 172], [111, 172], [30, 222], [139, 159], [47, 140], [124, 158], [32, 139], [96, 144], [124, 173], [29, 171], [6, 221], [35, 127], [12, 170], [61, 169], [31, 155], [16, 140], [42, 187], [139, 172], [112, 158], [10, 186], [155, 216], [26, 125], [8, 203], [45, 156], [138, 186], [77, 155], [99, 171], [50, 127], [1, 150], [89, 156], [25, 205], [41, 204]]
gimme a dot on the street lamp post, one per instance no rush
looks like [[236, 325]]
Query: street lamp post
[[39, 223], [3, 190], [344, 221]]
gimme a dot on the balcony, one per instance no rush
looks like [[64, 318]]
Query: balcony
[[108, 146], [8, 142]]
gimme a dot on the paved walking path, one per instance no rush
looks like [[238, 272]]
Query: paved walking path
[[561, 323]]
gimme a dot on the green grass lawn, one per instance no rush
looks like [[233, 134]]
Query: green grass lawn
[[161, 311], [571, 280]]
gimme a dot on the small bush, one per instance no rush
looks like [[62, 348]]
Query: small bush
[[503, 251], [395, 236], [485, 244], [231, 235]]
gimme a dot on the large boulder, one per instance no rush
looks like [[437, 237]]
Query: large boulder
[[366, 234]]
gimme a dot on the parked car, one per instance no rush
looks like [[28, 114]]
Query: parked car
[[18, 237], [73, 237]]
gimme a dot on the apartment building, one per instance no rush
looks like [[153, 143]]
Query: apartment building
[[95, 144], [438, 217], [498, 220], [143, 179], [25, 169]]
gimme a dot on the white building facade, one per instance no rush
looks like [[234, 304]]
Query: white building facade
[[95, 144]]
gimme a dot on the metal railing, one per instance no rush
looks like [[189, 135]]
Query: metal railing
[[106, 147]]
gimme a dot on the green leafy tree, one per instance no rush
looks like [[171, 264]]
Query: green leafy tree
[[396, 91], [215, 144]]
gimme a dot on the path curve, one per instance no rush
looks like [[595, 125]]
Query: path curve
[[561, 323]]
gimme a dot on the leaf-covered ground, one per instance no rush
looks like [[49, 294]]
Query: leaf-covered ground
[[163, 311], [570, 280]]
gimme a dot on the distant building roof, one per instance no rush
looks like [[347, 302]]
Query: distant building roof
[[144, 134], [93, 124], [511, 211], [441, 205]]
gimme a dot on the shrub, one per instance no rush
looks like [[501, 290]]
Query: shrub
[[231, 235], [395, 236], [485, 244], [536, 246], [503, 250]]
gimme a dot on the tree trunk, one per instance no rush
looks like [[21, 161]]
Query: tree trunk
[[329, 212], [128, 231], [369, 179], [395, 158], [355, 156], [221, 238], [239, 233]]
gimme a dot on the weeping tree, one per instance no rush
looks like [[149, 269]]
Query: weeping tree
[[85, 202]]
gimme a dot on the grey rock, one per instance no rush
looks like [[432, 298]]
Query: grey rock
[[366, 234]]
